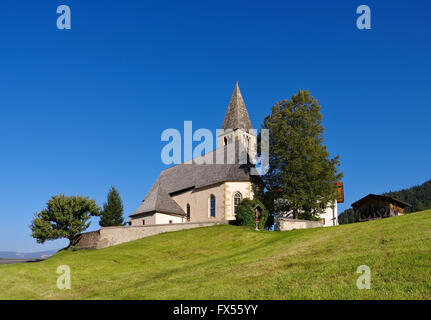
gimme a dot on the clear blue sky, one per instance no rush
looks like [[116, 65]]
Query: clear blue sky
[[83, 109]]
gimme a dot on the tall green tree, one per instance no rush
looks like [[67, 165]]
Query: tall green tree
[[63, 217], [112, 213], [300, 170]]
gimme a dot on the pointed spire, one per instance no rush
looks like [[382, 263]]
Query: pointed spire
[[236, 115]]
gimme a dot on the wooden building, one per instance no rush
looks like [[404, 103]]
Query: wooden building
[[374, 207]]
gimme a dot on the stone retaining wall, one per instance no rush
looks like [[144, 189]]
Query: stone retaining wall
[[286, 224], [110, 236]]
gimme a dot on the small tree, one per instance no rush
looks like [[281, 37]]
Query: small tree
[[420, 206], [112, 213], [64, 217], [245, 213]]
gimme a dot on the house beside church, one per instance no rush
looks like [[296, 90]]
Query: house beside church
[[196, 192]]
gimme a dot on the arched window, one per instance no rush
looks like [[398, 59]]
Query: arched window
[[212, 205], [188, 212], [236, 200], [225, 141]]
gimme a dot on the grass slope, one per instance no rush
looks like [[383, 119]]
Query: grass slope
[[228, 262]]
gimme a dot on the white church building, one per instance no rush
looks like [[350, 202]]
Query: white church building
[[192, 192]]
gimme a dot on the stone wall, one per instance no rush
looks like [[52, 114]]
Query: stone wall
[[110, 236], [286, 224]]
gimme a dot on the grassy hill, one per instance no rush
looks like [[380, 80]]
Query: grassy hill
[[228, 262]]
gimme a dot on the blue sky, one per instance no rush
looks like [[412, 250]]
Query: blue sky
[[83, 109]]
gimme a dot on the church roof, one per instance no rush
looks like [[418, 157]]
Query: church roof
[[192, 175], [158, 200], [186, 176], [236, 115]]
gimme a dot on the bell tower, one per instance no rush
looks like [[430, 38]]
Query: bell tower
[[237, 125]]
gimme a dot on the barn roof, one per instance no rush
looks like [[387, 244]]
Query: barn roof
[[371, 196]]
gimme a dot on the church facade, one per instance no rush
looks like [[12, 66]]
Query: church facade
[[196, 192]]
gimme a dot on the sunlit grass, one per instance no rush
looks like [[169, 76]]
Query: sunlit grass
[[228, 262]]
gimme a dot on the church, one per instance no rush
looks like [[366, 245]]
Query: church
[[196, 192]]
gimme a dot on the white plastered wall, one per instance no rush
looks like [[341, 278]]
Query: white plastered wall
[[331, 216], [162, 218]]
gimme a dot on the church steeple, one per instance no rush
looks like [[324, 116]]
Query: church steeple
[[237, 125], [236, 115]]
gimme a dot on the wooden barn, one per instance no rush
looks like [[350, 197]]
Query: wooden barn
[[375, 206]]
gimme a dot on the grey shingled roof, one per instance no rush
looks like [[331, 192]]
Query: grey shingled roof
[[192, 175], [236, 115], [158, 200]]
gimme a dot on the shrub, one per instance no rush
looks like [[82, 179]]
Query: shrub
[[245, 213]]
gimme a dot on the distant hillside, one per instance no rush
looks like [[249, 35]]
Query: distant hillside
[[419, 197], [27, 255], [236, 263]]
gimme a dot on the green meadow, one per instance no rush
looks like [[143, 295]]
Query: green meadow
[[230, 262]]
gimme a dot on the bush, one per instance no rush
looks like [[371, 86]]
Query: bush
[[245, 213], [307, 215]]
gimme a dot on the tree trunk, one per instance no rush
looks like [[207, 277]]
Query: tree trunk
[[73, 241]]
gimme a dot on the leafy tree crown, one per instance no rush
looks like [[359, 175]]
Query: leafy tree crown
[[300, 169], [63, 217]]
